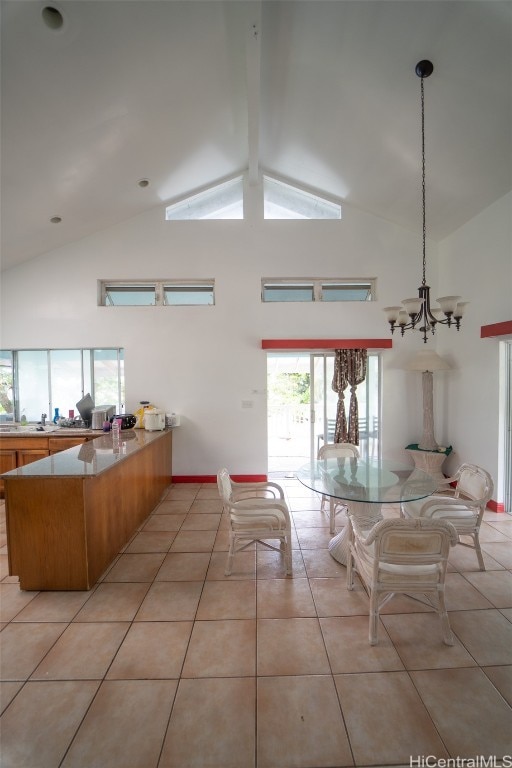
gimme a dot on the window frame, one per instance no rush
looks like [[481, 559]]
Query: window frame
[[202, 285], [318, 284]]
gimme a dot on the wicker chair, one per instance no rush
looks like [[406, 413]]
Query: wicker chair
[[401, 556], [462, 505], [257, 512], [328, 451]]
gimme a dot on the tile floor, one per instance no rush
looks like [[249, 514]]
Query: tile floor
[[167, 663]]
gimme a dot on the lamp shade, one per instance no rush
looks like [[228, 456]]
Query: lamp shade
[[426, 360]]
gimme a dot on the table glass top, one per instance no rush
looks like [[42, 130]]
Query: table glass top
[[373, 480]]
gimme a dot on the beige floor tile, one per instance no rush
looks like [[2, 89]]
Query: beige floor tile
[[319, 563], [418, 639], [82, 652], [171, 601], [222, 540], [4, 566], [244, 566], [311, 518], [221, 649], [300, 723], [151, 541], [386, 719], [291, 647], [206, 506], [271, 565], [503, 525], [183, 491], [184, 566], [313, 538], [461, 595], [13, 600], [487, 635], [171, 506], [501, 677], [193, 541], [208, 491], [228, 600], [501, 551], [114, 602], [496, 586], [491, 532], [152, 650], [162, 522], [136, 568], [54, 606], [125, 725], [348, 649], [477, 723], [507, 612], [204, 709], [284, 598], [23, 646], [8, 691], [41, 721], [204, 522], [332, 598], [464, 559]]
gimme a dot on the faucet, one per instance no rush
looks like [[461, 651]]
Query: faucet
[[43, 419]]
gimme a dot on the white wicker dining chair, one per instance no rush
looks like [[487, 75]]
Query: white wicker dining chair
[[328, 451], [256, 512], [401, 556], [462, 505]]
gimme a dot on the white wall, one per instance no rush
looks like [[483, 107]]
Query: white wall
[[203, 361], [476, 260]]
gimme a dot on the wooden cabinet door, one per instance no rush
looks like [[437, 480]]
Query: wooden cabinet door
[[57, 444], [8, 461], [28, 455]]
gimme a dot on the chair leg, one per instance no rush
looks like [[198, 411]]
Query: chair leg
[[350, 571], [479, 551], [332, 517], [288, 553], [445, 622], [374, 618], [231, 555]]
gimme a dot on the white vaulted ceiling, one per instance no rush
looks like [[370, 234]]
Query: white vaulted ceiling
[[188, 93]]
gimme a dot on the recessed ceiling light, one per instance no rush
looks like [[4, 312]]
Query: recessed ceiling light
[[55, 219], [52, 17], [143, 183]]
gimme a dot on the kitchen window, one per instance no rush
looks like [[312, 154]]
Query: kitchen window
[[317, 289], [36, 381]]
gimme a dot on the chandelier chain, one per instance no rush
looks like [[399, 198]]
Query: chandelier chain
[[423, 193]]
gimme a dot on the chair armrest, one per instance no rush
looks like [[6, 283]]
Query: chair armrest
[[445, 502], [259, 505], [243, 490]]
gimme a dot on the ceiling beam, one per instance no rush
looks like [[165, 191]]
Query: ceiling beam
[[253, 57]]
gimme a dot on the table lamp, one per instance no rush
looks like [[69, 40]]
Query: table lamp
[[428, 362]]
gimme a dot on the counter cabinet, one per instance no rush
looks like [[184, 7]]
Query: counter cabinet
[[64, 528]]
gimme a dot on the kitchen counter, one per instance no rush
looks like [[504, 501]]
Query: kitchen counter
[[70, 513], [89, 459]]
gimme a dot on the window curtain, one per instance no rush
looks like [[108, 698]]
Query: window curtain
[[349, 369]]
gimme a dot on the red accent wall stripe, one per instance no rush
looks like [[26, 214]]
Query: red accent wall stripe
[[496, 506], [326, 343], [496, 329], [213, 478]]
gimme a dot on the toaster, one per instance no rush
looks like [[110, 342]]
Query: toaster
[[100, 414], [127, 420]]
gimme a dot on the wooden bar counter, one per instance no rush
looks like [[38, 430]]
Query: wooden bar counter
[[69, 514]]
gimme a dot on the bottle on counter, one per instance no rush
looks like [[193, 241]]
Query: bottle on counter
[[116, 429], [56, 416]]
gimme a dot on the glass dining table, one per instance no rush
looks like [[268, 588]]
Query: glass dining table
[[364, 486]]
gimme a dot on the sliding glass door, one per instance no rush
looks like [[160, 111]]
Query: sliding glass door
[[301, 408]]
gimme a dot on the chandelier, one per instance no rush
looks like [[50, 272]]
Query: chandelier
[[417, 314]]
